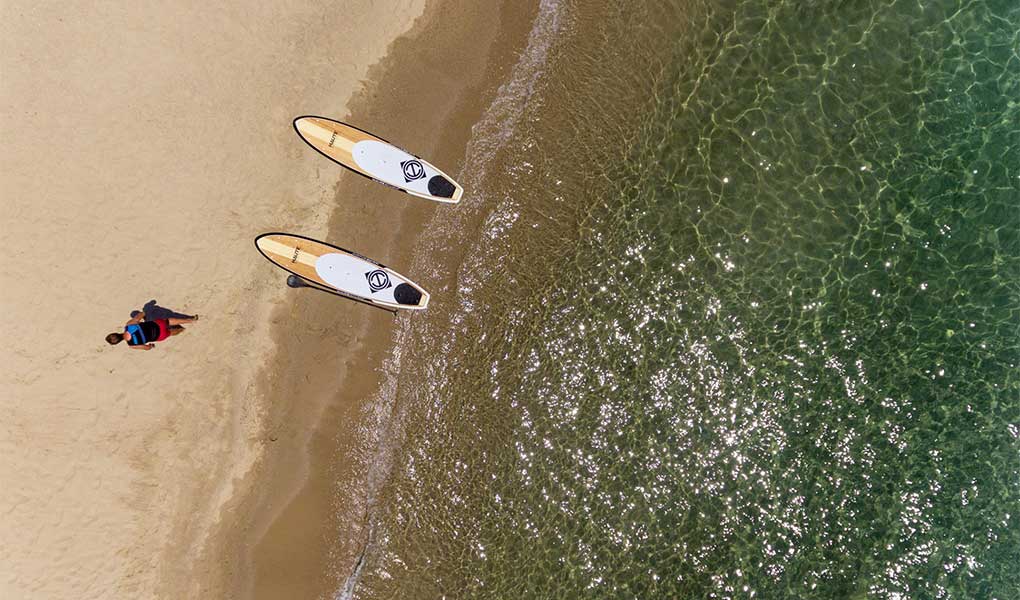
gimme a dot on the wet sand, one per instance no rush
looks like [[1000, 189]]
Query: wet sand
[[302, 535]]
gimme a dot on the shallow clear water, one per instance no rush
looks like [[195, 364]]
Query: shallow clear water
[[742, 321]]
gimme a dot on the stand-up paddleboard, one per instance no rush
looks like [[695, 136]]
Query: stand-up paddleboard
[[349, 273], [376, 159]]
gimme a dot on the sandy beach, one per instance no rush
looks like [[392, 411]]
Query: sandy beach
[[144, 148]]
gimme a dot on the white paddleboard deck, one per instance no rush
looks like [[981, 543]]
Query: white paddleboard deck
[[377, 159], [343, 270]]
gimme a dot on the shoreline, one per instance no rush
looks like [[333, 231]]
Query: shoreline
[[301, 536]]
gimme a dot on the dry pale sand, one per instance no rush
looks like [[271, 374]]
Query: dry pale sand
[[143, 147]]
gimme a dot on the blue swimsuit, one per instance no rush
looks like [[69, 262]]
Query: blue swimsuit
[[142, 332]]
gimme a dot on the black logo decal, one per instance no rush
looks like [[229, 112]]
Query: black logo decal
[[412, 170], [378, 280]]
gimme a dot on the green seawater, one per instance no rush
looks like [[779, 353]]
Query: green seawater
[[741, 319]]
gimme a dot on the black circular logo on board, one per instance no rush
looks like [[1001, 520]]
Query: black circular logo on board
[[412, 170], [378, 280]]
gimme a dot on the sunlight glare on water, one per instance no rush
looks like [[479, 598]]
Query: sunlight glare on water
[[741, 321]]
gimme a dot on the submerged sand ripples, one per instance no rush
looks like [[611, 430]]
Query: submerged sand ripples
[[759, 339]]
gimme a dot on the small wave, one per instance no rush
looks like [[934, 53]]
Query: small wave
[[500, 120], [487, 136], [492, 133]]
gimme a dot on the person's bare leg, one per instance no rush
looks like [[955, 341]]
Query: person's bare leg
[[175, 321], [175, 329]]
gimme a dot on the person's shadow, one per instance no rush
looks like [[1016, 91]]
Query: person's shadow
[[154, 311]]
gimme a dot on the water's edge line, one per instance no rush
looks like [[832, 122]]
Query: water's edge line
[[487, 136]]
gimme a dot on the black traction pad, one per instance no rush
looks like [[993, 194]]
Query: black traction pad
[[407, 294], [441, 187]]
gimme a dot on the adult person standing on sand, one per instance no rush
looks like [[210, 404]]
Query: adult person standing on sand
[[140, 334]]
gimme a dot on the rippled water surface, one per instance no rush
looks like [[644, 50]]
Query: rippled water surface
[[742, 320]]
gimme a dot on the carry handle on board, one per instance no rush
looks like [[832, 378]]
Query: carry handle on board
[[297, 282]]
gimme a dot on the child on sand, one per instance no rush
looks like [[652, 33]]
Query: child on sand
[[140, 334]]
